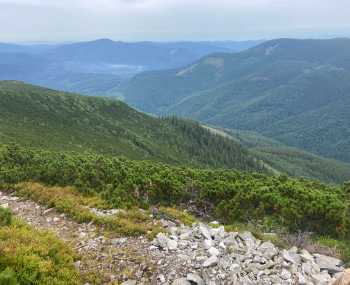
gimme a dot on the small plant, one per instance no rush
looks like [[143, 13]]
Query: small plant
[[8, 277], [29, 256], [5, 217]]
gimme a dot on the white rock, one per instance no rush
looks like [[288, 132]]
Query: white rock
[[328, 263], [181, 281], [171, 244], [321, 278], [129, 282], [285, 274], [306, 256], [161, 278], [301, 279], [207, 243], [185, 235], [291, 256], [195, 278], [205, 231], [162, 240], [222, 245], [213, 251], [211, 261], [268, 250], [218, 233]]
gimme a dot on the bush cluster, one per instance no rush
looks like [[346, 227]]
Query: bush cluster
[[32, 257], [232, 196]]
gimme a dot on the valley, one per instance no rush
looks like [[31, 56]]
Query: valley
[[294, 91]]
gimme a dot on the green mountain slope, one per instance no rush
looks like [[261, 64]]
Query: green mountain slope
[[292, 161], [295, 91], [43, 118]]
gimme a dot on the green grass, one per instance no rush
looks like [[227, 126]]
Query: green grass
[[129, 222], [29, 256], [340, 247]]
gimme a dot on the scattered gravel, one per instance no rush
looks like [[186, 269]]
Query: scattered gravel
[[197, 255]]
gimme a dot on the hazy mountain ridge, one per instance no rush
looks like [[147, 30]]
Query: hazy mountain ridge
[[106, 62], [280, 89]]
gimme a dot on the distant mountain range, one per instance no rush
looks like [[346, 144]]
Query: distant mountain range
[[93, 68], [294, 91]]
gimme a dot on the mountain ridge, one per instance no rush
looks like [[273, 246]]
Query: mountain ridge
[[275, 88], [42, 118]]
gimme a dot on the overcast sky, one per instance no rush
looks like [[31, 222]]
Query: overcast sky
[[164, 20]]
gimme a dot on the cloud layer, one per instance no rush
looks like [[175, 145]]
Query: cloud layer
[[52, 20]]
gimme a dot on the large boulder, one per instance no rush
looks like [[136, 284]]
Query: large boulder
[[331, 264]]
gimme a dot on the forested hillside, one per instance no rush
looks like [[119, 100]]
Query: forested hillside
[[43, 118], [290, 160], [295, 91]]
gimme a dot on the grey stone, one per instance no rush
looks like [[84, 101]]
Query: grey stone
[[162, 240], [306, 256], [181, 281], [213, 251], [268, 250], [171, 244], [129, 282], [205, 231], [195, 278], [285, 274], [291, 256], [321, 278], [211, 261], [207, 243], [328, 263]]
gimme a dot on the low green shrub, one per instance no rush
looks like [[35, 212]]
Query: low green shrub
[[32, 257], [231, 196], [5, 217], [8, 277]]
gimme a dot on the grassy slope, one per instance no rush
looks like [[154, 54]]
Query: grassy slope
[[280, 89], [38, 117], [292, 161]]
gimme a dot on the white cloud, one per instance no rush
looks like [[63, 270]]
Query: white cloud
[[23, 20]]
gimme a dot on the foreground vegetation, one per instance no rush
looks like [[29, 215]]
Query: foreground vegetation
[[32, 257], [231, 196], [67, 200]]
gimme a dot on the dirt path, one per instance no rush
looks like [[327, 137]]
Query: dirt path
[[113, 259], [195, 252]]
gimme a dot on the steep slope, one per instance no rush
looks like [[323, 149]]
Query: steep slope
[[290, 90], [38, 117]]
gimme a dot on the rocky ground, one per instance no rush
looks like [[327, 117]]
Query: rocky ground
[[201, 254]]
